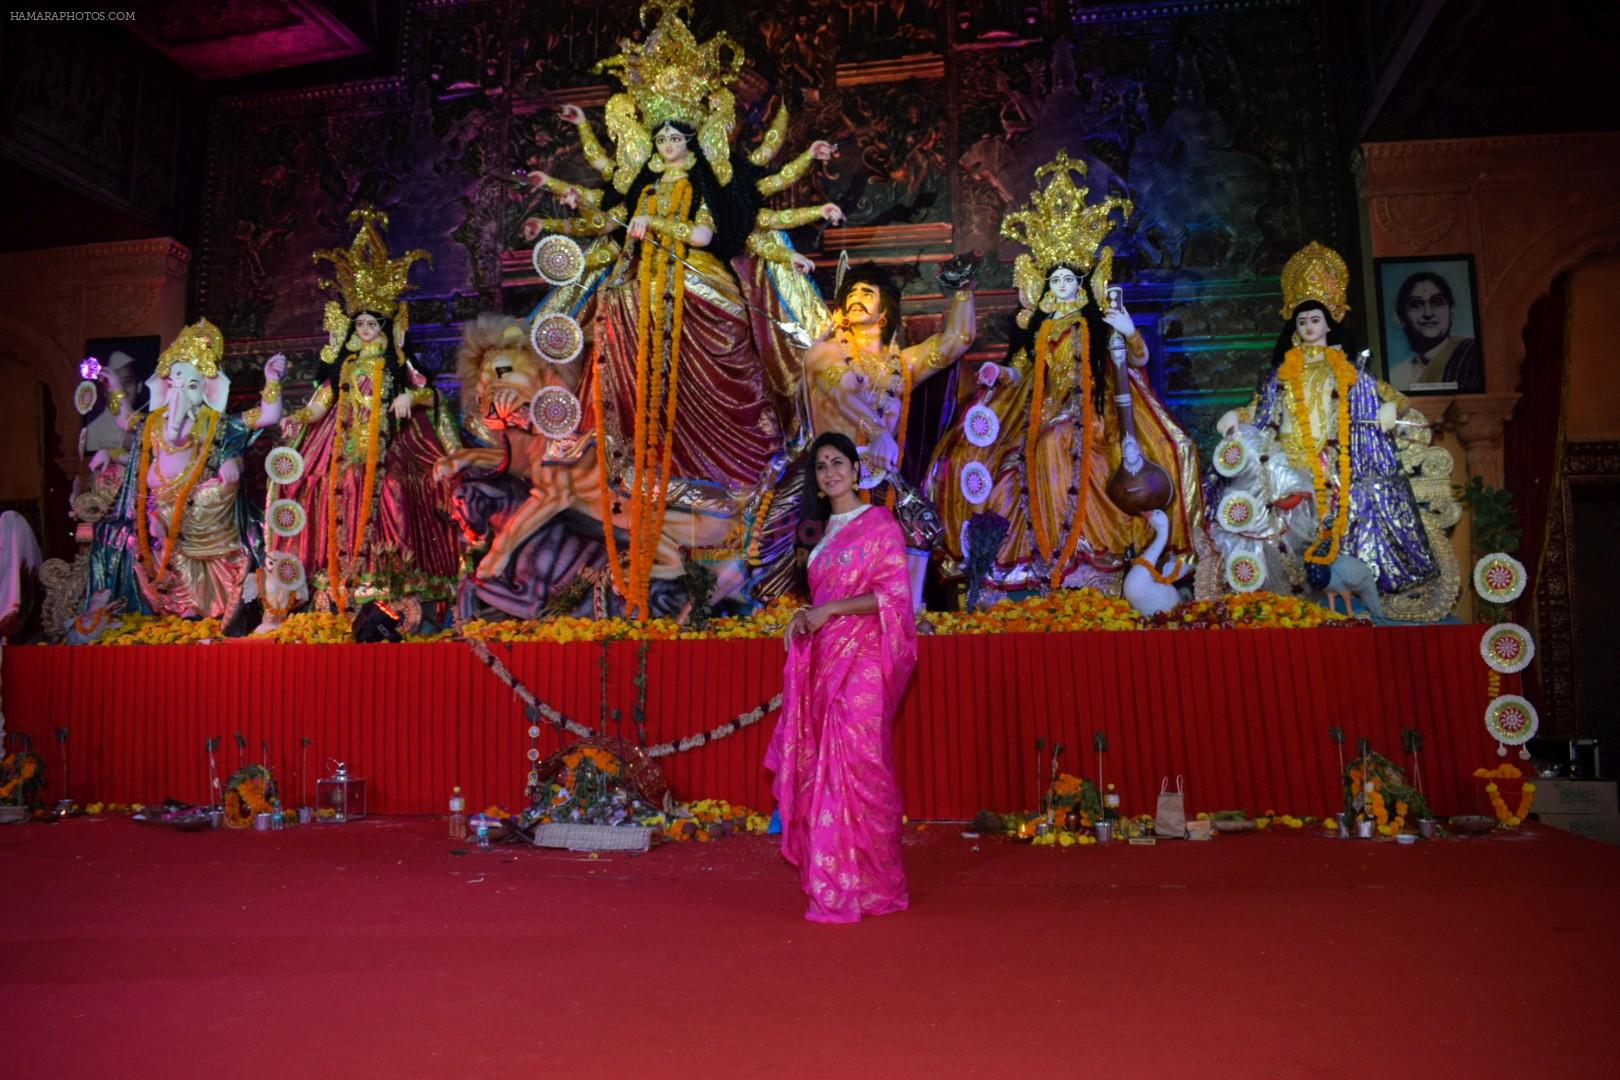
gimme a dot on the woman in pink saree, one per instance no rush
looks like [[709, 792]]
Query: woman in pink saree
[[850, 657]]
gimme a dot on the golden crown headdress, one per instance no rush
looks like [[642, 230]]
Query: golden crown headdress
[[201, 345], [368, 277], [1058, 225], [1315, 272], [671, 76]]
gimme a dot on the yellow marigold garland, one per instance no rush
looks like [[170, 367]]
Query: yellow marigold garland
[[204, 443], [1292, 374]]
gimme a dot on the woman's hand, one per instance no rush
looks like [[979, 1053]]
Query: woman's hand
[[832, 213], [805, 622], [822, 150], [1120, 320], [638, 226], [802, 263], [571, 113], [537, 178], [402, 406], [275, 368], [531, 229]]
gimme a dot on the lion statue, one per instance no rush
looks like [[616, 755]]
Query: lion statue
[[537, 499]]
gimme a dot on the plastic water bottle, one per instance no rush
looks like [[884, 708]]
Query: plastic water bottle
[[483, 834], [458, 815]]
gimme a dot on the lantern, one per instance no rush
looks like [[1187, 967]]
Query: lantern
[[340, 797]]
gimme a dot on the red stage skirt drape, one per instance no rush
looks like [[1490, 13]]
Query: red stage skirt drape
[[1242, 714]]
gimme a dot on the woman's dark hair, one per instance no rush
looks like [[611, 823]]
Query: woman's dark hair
[[812, 506], [888, 296], [733, 206], [1022, 339], [1336, 337]]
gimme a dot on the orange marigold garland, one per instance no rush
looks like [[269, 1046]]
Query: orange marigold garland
[[1527, 794], [1292, 374], [143, 540], [1053, 330], [334, 541], [609, 534]]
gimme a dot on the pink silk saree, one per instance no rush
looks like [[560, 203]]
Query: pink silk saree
[[833, 750]]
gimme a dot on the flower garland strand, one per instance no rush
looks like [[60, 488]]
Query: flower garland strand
[[660, 493], [204, 447], [1051, 331], [656, 394], [534, 705], [1292, 374], [334, 542], [609, 533]]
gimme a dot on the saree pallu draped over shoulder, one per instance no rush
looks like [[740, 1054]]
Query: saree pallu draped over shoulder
[[833, 750]]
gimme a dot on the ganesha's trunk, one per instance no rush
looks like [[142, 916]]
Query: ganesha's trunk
[[176, 421]]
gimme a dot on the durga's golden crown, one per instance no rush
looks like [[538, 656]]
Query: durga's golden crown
[[668, 77]]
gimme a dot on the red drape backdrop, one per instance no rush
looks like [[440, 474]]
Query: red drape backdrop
[[1243, 714]]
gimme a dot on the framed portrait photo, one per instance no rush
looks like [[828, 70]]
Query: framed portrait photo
[[1428, 319]]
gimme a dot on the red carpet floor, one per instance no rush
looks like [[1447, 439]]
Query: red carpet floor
[[370, 950]]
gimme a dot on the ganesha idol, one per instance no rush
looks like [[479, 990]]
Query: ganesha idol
[[535, 494], [179, 539]]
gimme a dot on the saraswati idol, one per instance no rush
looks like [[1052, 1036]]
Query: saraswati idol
[[1066, 439]]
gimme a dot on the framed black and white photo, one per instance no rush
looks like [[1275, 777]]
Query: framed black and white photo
[[1428, 315]]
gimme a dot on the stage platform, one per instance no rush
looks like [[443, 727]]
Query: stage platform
[[1242, 714]]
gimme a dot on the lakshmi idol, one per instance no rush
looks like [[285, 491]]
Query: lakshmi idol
[[692, 381], [1342, 492], [359, 506], [1066, 440], [180, 540]]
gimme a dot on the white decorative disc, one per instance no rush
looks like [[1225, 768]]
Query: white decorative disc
[[1238, 512], [558, 260], [1507, 648], [557, 337], [1231, 455], [84, 397], [976, 482], [1245, 572], [289, 572], [981, 425], [1499, 578], [1511, 720], [284, 465], [556, 412], [285, 518]]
